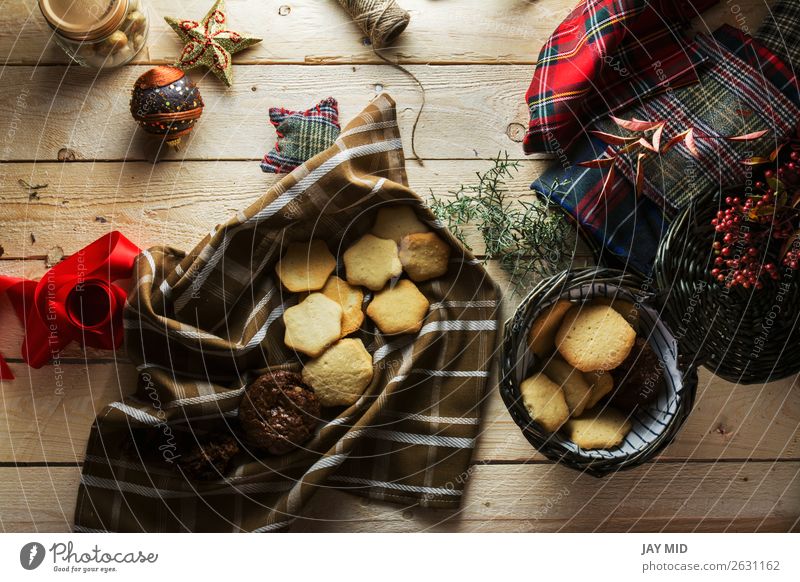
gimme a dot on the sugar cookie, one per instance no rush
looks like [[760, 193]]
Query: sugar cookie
[[542, 336], [341, 374], [545, 401], [576, 389], [313, 324], [625, 308], [424, 256], [594, 337], [351, 300], [601, 383], [305, 266], [372, 262], [399, 309], [603, 429], [395, 222]]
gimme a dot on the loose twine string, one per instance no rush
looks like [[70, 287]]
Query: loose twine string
[[383, 21]]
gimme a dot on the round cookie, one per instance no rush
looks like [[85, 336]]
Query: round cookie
[[625, 308], [340, 375], [602, 429], [424, 256], [313, 324], [575, 387], [395, 222], [594, 337], [371, 262], [544, 401], [542, 336], [601, 382], [279, 412], [399, 309], [350, 299], [305, 266]]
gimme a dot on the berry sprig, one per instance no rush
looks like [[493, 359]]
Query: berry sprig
[[751, 226]]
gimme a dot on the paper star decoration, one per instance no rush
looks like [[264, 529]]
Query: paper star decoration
[[209, 43]]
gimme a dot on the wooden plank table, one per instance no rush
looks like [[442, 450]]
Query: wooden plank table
[[735, 465]]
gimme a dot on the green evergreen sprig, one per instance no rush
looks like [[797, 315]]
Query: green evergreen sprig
[[529, 238]]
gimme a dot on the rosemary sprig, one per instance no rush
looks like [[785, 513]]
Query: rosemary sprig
[[528, 238]]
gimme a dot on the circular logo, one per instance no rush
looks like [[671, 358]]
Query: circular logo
[[31, 555]]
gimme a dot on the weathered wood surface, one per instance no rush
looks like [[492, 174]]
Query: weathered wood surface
[[72, 113], [319, 32], [734, 466], [694, 497], [176, 202], [47, 413]]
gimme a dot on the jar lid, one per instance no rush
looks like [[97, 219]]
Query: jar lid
[[86, 19]]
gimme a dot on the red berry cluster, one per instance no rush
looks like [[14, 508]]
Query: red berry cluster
[[744, 255], [792, 258]]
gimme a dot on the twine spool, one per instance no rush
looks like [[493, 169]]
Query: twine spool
[[381, 20]]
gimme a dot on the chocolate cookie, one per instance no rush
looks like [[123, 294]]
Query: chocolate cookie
[[279, 412], [639, 378], [208, 460]]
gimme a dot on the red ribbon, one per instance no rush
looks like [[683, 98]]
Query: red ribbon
[[75, 301]]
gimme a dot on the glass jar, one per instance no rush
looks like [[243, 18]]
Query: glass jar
[[98, 33]]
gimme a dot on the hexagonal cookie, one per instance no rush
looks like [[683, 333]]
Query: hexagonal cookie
[[313, 324], [305, 266], [399, 309]]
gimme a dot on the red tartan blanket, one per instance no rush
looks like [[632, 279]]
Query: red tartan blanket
[[607, 55]]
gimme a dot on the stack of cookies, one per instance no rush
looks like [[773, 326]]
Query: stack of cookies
[[595, 371], [331, 308]]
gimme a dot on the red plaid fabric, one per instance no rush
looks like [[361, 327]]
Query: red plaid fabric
[[742, 75], [607, 55]]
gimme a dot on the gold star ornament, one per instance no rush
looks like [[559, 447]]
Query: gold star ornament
[[210, 43]]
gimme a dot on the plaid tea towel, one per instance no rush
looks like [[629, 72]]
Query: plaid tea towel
[[200, 326], [744, 87], [301, 135], [605, 56]]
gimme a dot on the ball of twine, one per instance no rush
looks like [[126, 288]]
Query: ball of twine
[[381, 20]]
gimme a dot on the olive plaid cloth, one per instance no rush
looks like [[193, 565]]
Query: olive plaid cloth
[[605, 56], [301, 135], [200, 326]]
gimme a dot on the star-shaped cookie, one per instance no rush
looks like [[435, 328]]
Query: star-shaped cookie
[[209, 43]]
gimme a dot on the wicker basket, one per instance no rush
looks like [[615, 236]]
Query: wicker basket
[[654, 426], [744, 336]]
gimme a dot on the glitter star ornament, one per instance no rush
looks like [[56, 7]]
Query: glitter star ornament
[[210, 43]]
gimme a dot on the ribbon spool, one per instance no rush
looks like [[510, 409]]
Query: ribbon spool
[[91, 305], [77, 300], [381, 20]]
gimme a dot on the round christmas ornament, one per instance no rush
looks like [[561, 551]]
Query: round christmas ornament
[[166, 103]]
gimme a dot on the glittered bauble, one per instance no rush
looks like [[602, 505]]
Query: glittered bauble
[[210, 43], [166, 103]]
